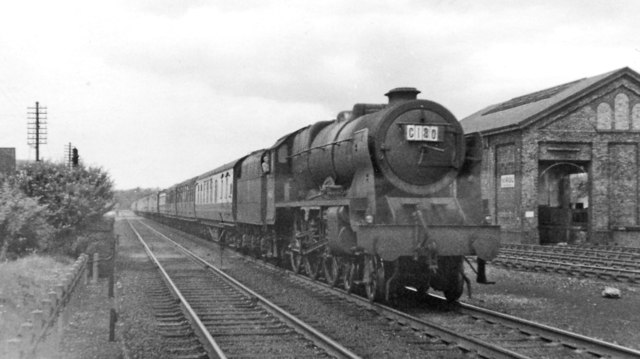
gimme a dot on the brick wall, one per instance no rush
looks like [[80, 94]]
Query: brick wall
[[600, 132]]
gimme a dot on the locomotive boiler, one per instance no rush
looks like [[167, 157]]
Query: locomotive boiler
[[382, 198], [372, 199]]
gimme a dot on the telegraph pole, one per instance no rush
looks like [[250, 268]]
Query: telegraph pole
[[68, 154], [37, 130]]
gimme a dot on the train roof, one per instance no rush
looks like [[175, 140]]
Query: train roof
[[284, 138], [186, 182], [222, 168]]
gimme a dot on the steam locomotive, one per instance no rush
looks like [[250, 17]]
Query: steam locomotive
[[382, 198]]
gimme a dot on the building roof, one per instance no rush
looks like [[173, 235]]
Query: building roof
[[522, 110]]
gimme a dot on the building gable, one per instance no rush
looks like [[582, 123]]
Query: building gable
[[615, 107], [529, 110]]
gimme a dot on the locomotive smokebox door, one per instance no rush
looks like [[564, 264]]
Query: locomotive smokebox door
[[419, 147]]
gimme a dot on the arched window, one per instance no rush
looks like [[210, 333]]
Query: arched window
[[621, 112], [604, 116], [635, 117]]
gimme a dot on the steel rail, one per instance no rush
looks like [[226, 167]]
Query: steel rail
[[323, 341], [567, 338], [568, 265], [592, 345], [471, 344], [211, 346], [582, 257], [465, 343], [585, 257], [598, 251]]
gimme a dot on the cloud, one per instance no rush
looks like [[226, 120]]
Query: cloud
[[156, 91]]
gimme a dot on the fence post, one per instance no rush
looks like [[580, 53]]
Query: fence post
[[53, 308], [96, 259], [85, 274], [113, 314]]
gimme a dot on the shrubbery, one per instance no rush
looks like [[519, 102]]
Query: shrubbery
[[23, 222], [45, 203]]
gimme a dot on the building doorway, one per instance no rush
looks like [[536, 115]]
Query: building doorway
[[563, 202]]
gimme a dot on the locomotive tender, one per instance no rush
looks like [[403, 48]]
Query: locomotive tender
[[371, 198]]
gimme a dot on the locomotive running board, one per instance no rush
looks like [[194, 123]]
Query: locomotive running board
[[393, 241]]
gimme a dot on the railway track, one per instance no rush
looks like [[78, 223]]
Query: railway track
[[229, 318], [489, 333], [472, 331], [607, 264]]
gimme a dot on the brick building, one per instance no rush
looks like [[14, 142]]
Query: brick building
[[561, 164]]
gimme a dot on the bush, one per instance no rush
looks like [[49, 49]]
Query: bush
[[23, 223], [74, 196], [44, 206]]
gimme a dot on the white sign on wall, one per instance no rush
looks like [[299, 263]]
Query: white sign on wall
[[507, 181]]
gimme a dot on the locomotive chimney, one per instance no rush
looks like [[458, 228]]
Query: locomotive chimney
[[400, 94]]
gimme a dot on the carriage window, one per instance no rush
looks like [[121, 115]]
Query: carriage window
[[222, 188], [226, 186]]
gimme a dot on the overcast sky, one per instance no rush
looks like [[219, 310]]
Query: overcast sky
[[157, 91]]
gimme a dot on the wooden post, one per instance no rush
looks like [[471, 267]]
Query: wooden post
[[113, 316], [96, 259], [60, 289], [85, 273]]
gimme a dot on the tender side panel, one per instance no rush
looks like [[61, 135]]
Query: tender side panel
[[251, 191]]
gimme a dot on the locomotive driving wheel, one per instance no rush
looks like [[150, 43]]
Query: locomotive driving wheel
[[331, 267], [296, 261], [373, 277], [349, 273], [312, 263]]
